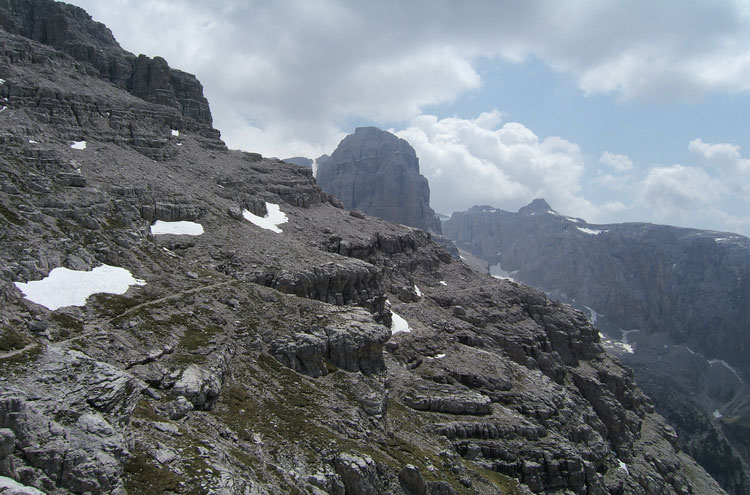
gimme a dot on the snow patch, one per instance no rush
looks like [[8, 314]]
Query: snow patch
[[593, 315], [717, 414], [14, 486], [271, 221], [65, 287], [78, 145], [443, 282], [178, 228], [726, 365], [497, 272], [439, 356], [574, 220], [2, 81], [416, 289], [398, 324], [31, 141], [625, 342], [175, 132], [623, 466], [589, 231]]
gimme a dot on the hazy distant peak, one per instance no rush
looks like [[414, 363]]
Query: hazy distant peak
[[539, 205]]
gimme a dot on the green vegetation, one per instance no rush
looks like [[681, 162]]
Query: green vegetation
[[196, 337], [11, 216], [143, 475], [20, 363], [66, 323], [12, 340], [143, 409]]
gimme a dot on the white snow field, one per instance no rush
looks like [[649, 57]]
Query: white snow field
[[271, 221], [65, 287], [398, 324], [589, 231], [78, 145], [175, 132], [179, 228]]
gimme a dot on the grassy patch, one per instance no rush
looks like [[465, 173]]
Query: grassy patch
[[144, 410], [114, 305], [20, 363], [12, 340], [67, 322], [143, 475], [11, 216], [197, 337]]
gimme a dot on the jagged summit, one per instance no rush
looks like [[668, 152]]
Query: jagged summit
[[538, 205], [378, 173], [71, 30]]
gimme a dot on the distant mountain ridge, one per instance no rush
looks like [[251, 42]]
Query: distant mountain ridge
[[685, 291], [378, 173]]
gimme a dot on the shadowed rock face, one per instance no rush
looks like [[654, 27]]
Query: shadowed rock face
[[264, 362], [685, 290], [70, 30], [378, 173]]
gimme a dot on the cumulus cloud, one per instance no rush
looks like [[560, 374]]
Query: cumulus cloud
[[725, 158], [678, 188], [619, 163], [486, 161], [278, 69]]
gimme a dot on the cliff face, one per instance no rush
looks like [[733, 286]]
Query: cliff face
[[262, 356], [70, 30], [684, 290], [378, 173]]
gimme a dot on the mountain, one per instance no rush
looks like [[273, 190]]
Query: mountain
[[378, 173], [300, 160], [181, 318], [678, 296]]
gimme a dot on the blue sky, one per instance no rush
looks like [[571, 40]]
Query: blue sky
[[610, 110]]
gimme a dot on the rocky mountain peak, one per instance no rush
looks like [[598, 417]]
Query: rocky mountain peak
[[539, 205], [70, 30], [378, 173]]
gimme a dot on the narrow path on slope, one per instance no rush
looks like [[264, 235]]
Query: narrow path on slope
[[91, 329]]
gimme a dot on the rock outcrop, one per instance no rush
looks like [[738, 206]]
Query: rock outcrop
[[251, 360], [677, 296], [70, 30], [378, 173]]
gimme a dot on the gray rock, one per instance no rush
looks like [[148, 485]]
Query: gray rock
[[179, 408], [378, 173], [358, 473], [198, 385], [411, 480]]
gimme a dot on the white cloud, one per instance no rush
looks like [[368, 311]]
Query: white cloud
[[274, 70], [484, 161], [676, 193], [725, 158], [619, 163]]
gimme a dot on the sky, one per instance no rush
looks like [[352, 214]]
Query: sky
[[612, 111]]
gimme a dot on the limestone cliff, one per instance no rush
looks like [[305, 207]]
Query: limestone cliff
[[274, 342], [377, 173], [684, 290]]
